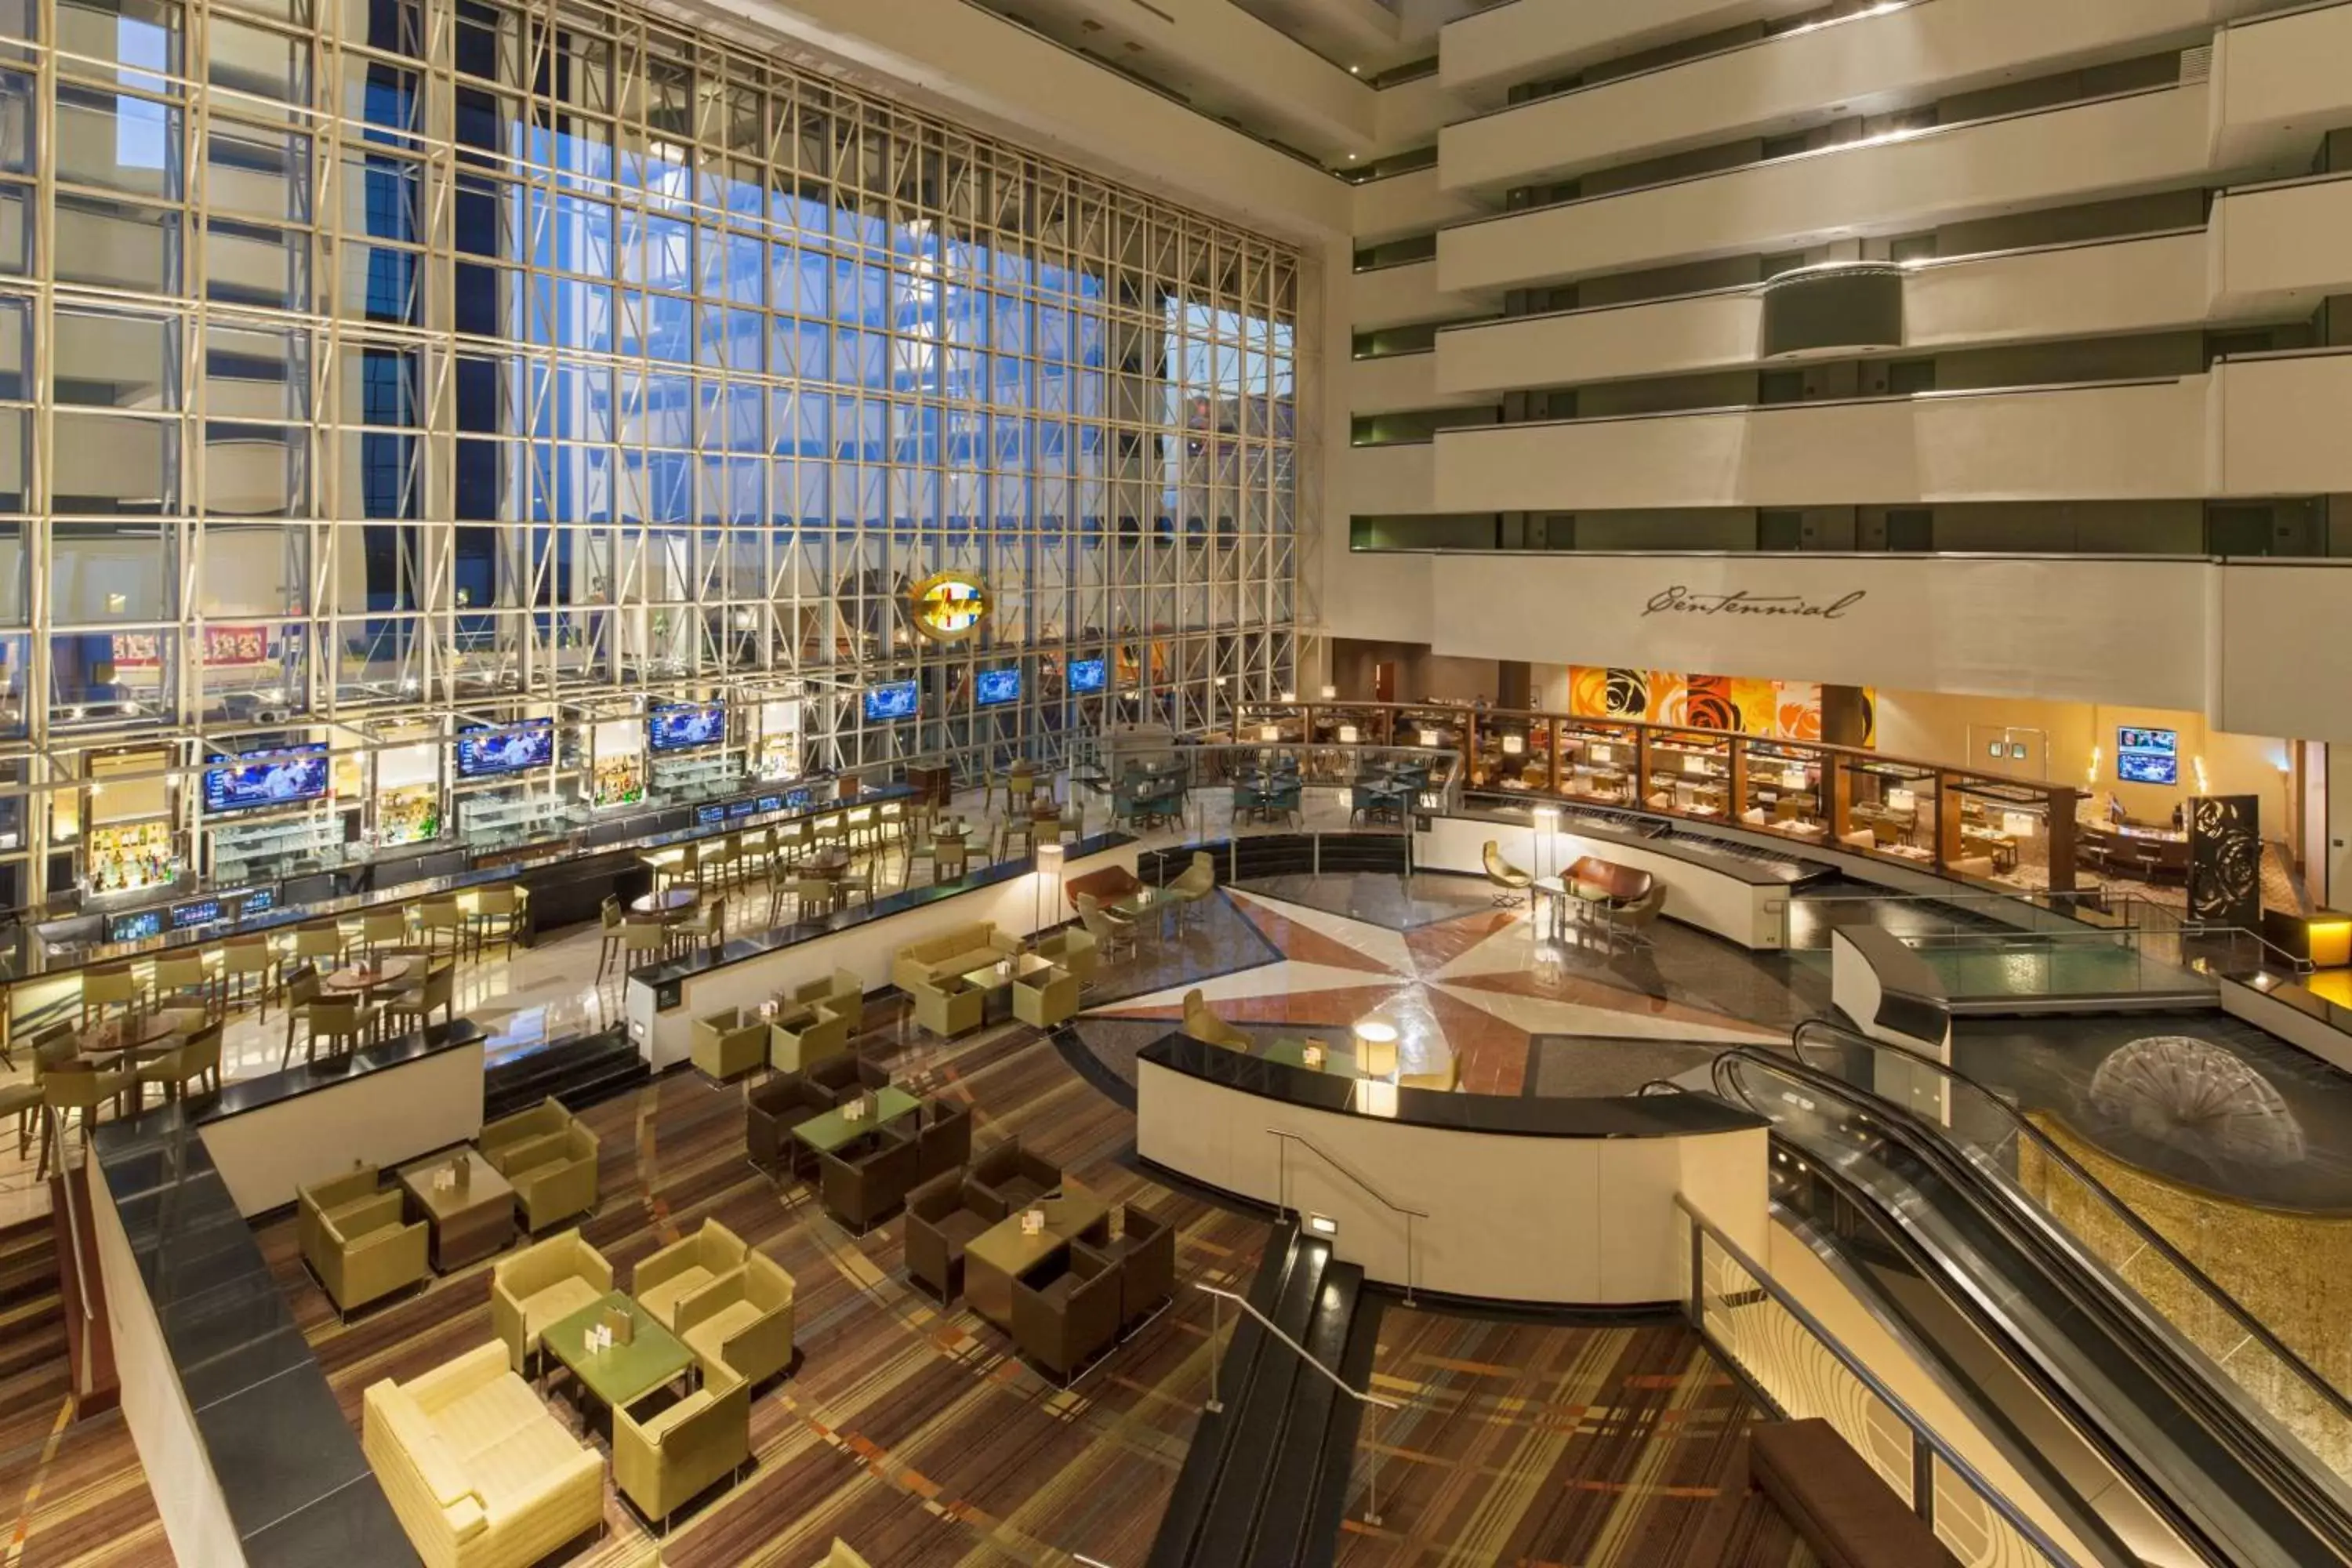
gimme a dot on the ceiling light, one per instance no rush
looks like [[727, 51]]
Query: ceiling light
[[1352, 157], [1355, 70]]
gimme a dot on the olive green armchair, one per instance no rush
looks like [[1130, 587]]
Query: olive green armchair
[[1072, 948], [728, 1044], [1046, 998], [670, 1457], [355, 1241], [742, 1320], [551, 1164], [682, 1267], [797, 1041], [1202, 1023], [842, 992], [542, 1285], [947, 1006]]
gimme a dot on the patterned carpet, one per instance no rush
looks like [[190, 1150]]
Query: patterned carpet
[[1549, 1444]]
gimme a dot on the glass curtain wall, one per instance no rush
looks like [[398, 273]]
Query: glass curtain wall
[[467, 362]]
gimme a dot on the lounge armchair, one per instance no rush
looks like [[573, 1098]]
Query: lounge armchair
[[1009, 1176], [743, 1320], [847, 1077], [948, 1007], [727, 1043], [547, 1116], [670, 1457], [861, 1187], [1047, 998], [553, 1175], [686, 1265], [1145, 1251], [772, 1108], [841, 992], [542, 1285], [957, 952], [1199, 880], [1072, 948], [940, 1223], [1066, 1310], [1512, 881], [944, 1142], [1110, 930], [1202, 1023], [799, 1039], [477, 1471], [354, 1241]]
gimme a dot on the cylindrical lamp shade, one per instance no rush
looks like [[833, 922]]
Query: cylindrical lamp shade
[[1841, 307], [1376, 1047]]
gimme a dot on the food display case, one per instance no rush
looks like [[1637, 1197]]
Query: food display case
[[1690, 772], [1597, 761]]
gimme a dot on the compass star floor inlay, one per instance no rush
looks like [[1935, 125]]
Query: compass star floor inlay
[[1473, 989]]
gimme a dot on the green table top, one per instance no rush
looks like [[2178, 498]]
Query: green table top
[[625, 1372], [828, 1131], [1338, 1060]]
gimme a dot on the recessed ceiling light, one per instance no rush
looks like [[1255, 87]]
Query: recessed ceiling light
[[1352, 157], [1355, 70]]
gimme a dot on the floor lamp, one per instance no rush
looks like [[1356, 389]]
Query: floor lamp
[[1049, 861]]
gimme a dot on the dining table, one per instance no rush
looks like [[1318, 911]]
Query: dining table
[[665, 901], [362, 978], [128, 1038]]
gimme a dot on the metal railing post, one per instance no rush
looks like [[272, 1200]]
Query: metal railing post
[[1411, 1261], [1923, 1481], [1372, 1467], [1216, 1352]]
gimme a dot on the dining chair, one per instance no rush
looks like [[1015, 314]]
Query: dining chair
[[179, 976], [105, 987], [643, 941], [342, 1021], [949, 859], [246, 959], [67, 1092], [195, 1059], [322, 945], [497, 911], [382, 928], [812, 896], [441, 926], [608, 933], [436, 991], [302, 992], [705, 926]]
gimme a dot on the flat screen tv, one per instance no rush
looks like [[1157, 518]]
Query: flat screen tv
[[892, 700], [2148, 756], [682, 726], [201, 912], [275, 775], [1089, 674], [995, 688], [486, 749], [136, 926]]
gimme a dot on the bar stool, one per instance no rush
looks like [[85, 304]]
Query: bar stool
[[105, 986], [892, 821], [757, 854], [827, 830], [716, 861]]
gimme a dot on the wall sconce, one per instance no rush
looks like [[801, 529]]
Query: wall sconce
[[1322, 1225]]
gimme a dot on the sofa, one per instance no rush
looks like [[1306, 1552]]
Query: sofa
[[742, 1319], [957, 952], [666, 1457], [691, 1264], [542, 1285], [728, 1044], [477, 1471], [354, 1239]]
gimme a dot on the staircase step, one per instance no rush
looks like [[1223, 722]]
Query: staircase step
[[1233, 1509], [1335, 1478], [578, 1072], [1298, 1457], [1188, 1502]]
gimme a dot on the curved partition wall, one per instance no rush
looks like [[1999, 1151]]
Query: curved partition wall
[[1518, 1199]]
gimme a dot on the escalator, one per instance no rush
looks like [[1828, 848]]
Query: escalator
[[2006, 1261]]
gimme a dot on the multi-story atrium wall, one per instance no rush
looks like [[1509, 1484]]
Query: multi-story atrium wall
[[377, 369]]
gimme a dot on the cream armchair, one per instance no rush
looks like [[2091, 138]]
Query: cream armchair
[[728, 1044], [543, 1285], [842, 993], [947, 1013], [675, 1454], [1046, 998], [682, 1267], [1200, 1022], [547, 1116], [797, 1042], [742, 1320], [315, 1202], [355, 1241], [553, 1175], [477, 1470], [1072, 948]]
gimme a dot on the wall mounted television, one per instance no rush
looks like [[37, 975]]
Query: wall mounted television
[[682, 726], [273, 775], [136, 926], [892, 700], [1089, 673], [484, 750], [995, 688], [2148, 756]]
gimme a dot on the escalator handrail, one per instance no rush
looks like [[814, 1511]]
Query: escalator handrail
[[2049, 1148], [2222, 1408]]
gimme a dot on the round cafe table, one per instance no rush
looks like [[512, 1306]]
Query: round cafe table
[[667, 901], [364, 978], [827, 863], [127, 1037]]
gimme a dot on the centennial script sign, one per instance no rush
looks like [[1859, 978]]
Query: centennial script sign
[[1682, 601]]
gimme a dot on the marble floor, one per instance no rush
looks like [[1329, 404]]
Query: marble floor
[[1474, 992]]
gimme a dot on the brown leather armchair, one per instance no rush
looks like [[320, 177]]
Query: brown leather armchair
[[944, 1143], [772, 1108], [862, 1187], [940, 1223], [1065, 1309], [1009, 1176], [1145, 1251], [847, 1076]]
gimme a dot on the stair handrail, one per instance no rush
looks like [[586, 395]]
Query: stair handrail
[[1282, 1195], [1370, 1400], [73, 1224]]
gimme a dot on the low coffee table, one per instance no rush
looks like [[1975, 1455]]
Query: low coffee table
[[994, 982], [997, 1255], [471, 1221], [621, 1373]]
